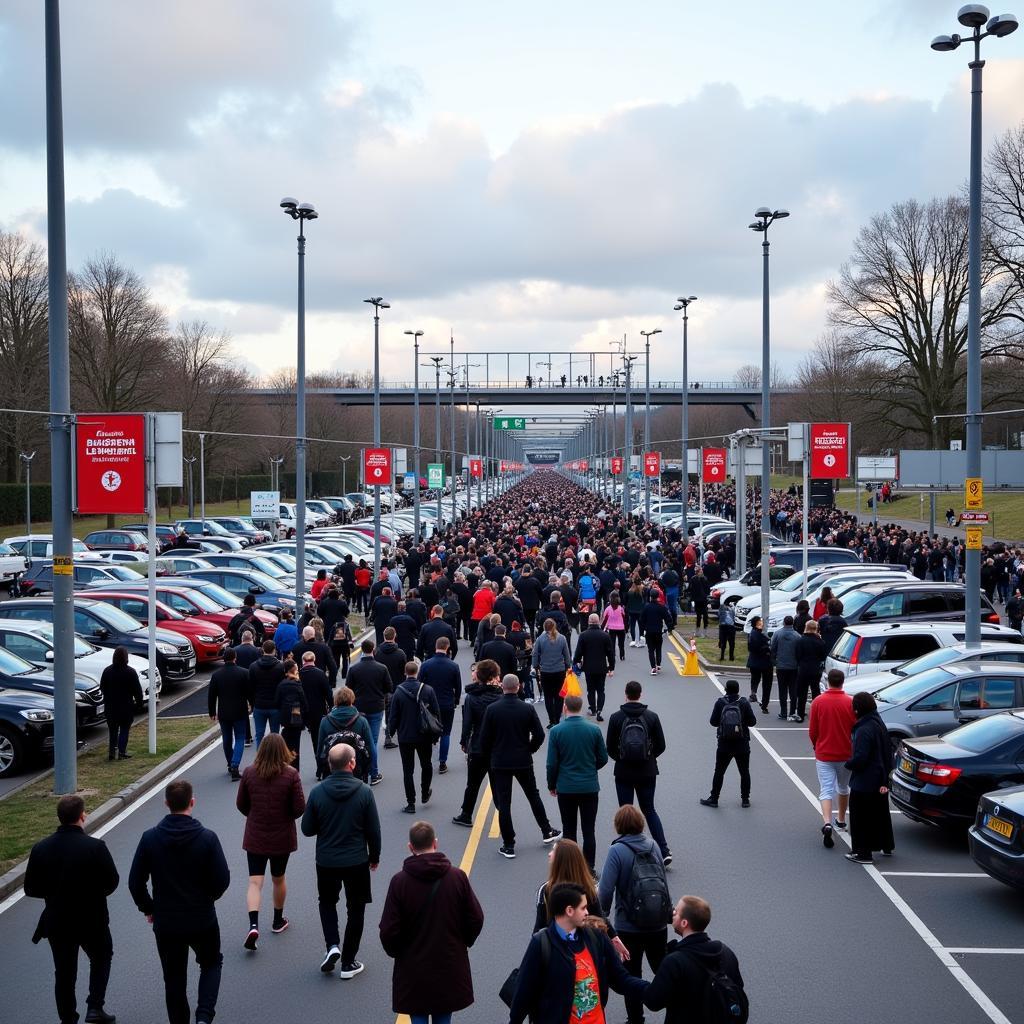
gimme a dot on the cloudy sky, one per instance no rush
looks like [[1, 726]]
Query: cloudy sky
[[543, 175]]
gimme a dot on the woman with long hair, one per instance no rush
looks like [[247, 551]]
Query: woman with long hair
[[271, 798], [613, 619], [566, 863], [821, 605], [551, 660], [634, 608], [870, 820], [122, 692]]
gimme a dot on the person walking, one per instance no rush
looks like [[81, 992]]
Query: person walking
[[292, 710], [869, 767], [316, 688], [74, 874], [634, 608], [122, 693], [830, 729], [406, 722], [634, 876], [727, 630], [566, 863], [595, 656], [783, 649], [371, 682], [759, 661], [500, 650], [655, 620], [810, 662], [271, 798], [510, 735], [483, 603], [700, 594], [186, 865], [286, 636], [265, 673], [435, 628], [732, 717], [342, 814], [480, 695], [613, 619], [635, 742], [344, 724], [551, 661], [576, 753], [444, 677], [228, 705], [697, 971], [431, 918], [322, 655], [246, 652]]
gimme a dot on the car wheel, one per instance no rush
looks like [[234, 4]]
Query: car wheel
[[12, 752]]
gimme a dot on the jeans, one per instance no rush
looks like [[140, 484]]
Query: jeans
[[476, 772], [373, 720], [787, 689], [173, 948], [654, 641], [727, 638], [672, 600], [501, 789], [262, 718], [432, 1018], [595, 691], [585, 805], [118, 734], [98, 947], [410, 751], [641, 944], [232, 735], [447, 720], [644, 790], [722, 758], [356, 880], [551, 684]]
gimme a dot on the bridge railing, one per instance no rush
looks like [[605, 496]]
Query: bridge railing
[[556, 385]]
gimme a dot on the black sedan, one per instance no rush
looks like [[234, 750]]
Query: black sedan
[[997, 835], [26, 729], [18, 674], [939, 780]]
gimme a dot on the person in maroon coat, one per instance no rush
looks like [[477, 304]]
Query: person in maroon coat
[[430, 919], [271, 798]]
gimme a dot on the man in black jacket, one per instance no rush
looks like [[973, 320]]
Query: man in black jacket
[[371, 682], [531, 593], [732, 716], [443, 676], [635, 742], [246, 652], [264, 675], [382, 611], [189, 873], [316, 688], [480, 695], [510, 735], [404, 720], [246, 618], [332, 609], [436, 628], [501, 651], [228, 704], [406, 631], [74, 874], [681, 982], [595, 654], [321, 651]]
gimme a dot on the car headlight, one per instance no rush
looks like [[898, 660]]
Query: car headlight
[[79, 697], [166, 648], [207, 639], [37, 715]]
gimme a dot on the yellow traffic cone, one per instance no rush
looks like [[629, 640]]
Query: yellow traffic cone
[[691, 667]]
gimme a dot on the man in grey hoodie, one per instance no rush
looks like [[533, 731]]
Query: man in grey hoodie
[[783, 648]]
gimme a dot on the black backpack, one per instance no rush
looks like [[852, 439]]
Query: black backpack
[[635, 740], [648, 904], [725, 1001], [356, 742], [730, 725]]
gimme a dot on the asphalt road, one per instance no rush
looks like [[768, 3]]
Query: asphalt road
[[817, 937]]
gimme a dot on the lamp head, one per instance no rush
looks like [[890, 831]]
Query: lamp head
[[1002, 25], [762, 211], [757, 225], [307, 211], [972, 15], [679, 305], [289, 204], [943, 44], [779, 214]]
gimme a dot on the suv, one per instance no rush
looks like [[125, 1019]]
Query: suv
[[904, 600], [793, 555], [116, 540], [12, 565], [18, 674], [26, 729], [39, 579], [40, 545], [240, 529], [876, 650], [166, 534]]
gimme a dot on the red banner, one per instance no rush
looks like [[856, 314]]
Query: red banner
[[584, 465], [476, 467], [377, 467], [830, 451], [110, 463], [617, 461], [713, 465], [652, 464]]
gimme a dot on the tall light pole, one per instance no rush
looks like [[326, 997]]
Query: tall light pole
[[647, 335], [275, 473], [301, 212], [763, 218], [627, 441], [974, 17], [683, 303], [416, 335], [190, 462], [378, 304], [451, 424], [437, 361], [27, 458], [343, 459]]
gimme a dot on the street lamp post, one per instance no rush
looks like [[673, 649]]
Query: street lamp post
[[275, 474], [343, 459], [378, 304], [202, 479], [190, 462], [416, 335], [301, 212], [627, 441], [437, 360], [682, 304], [976, 18], [763, 218], [27, 458], [647, 335]]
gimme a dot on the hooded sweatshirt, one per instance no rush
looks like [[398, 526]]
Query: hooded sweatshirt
[[615, 875], [680, 982], [343, 719], [342, 814], [188, 870]]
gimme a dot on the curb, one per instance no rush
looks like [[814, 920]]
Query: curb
[[137, 790]]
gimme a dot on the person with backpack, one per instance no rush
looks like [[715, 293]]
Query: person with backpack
[[245, 618], [344, 724], [443, 676], [635, 742], [699, 980], [732, 717], [286, 636], [727, 630], [411, 707], [634, 875], [292, 710]]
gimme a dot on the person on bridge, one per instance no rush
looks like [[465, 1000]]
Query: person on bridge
[[74, 874]]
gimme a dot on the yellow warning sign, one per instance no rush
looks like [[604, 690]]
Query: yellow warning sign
[[62, 565], [974, 493], [973, 538]]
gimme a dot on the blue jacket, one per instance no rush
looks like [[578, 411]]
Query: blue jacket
[[286, 636], [443, 676]]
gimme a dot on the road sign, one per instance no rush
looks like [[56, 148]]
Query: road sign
[[974, 492], [973, 517], [63, 566], [435, 475], [714, 465], [510, 423], [264, 504], [973, 538], [409, 482], [476, 467], [583, 465], [400, 461], [110, 463], [377, 467], [617, 462], [877, 468], [652, 464], [830, 451]]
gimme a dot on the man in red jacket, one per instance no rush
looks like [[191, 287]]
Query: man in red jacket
[[830, 729]]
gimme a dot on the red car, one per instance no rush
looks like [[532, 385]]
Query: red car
[[208, 638]]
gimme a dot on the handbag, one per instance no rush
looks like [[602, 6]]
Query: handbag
[[430, 724], [508, 990]]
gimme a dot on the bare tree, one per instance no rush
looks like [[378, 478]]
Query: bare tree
[[1004, 210]]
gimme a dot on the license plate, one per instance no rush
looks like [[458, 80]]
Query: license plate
[[190, 662], [999, 826], [901, 792], [906, 766]]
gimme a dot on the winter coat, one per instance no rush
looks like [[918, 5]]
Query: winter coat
[[370, 681], [748, 719], [264, 675], [681, 980], [654, 618], [270, 807], [502, 652], [431, 973], [783, 648], [576, 753], [615, 875], [342, 814], [479, 697], [443, 676], [810, 657], [430, 634], [342, 719], [483, 602], [121, 692], [872, 755], [393, 658], [290, 695], [595, 651], [317, 688], [758, 650], [511, 733], [830, 628], [510, 610], [286, 636], [228, 698], [246, 654], [406, 633], [633, 771], [551, 655], [322, 652], [404, 715]]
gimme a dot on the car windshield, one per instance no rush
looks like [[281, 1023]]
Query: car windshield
[[123, 574], [201, 601], [6, 549], [986, 733], [82, 647], [914, 686], [932, 659], [855, 600], [12, 665], [268, 566], [80, 546], [116, 619], [285, 561], [790, 585], [217, 593]]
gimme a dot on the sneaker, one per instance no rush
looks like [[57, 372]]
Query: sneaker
[[854, 859], [464, 822], [278, 928], [426, 796], [377, 779], [840, 825], [390, 745], [551, 834], [654, 671], [793, 718], [409, 809], [764, 709], [235, 774], [442, 769], [332, 956], [350, 970], [709, 802], [248, 743], [887, 853], [667, 858], [782, 716], [591, 712], [600, 718], [507, 851], [97, 1015], [826, 837], [753, 698], [252, 938], [745, 802]]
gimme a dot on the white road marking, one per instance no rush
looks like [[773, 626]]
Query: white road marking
[[798, 759], [985, 949], [934, 874]]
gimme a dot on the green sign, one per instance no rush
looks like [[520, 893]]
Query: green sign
[[435, 474], [510, 423]]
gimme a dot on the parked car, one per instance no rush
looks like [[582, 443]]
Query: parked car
[[116, 540], [997, 835], [40, 545], [174, 562], [248, 560], [26, 729], [730, 591], [18, 674], [211, 544], [106, 626], [39, 579], [905, 600], [241, 530], [268, 592], [12, 565], [166, 534], [126, 558], [940, 780], [341, 506]]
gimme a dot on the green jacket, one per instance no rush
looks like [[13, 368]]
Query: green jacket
[[576, 753], [342, 814]]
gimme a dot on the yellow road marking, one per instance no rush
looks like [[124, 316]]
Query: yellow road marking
[[495, 832], [675, 661], [679, 647]]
